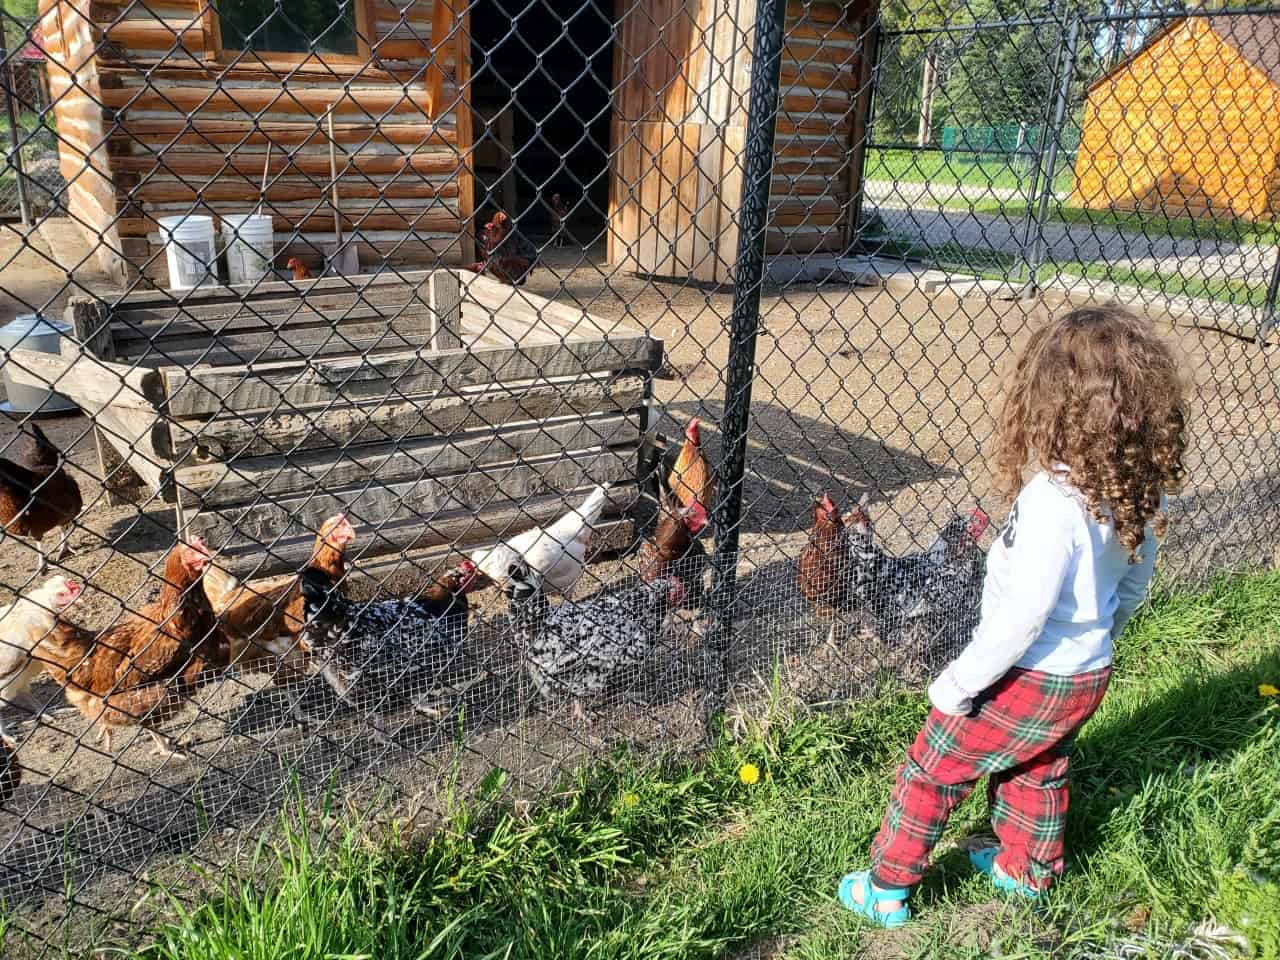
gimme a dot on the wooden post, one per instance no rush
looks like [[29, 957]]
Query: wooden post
[[928, 88], [446, 311]]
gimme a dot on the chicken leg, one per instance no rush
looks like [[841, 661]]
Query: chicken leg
[[64, 543], [166, 747]]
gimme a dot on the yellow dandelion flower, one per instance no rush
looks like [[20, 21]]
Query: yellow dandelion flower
[[749, 774], [630, 800], [1268, 690]]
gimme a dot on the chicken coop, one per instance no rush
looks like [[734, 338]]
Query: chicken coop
[[190, 108], [422, 419]]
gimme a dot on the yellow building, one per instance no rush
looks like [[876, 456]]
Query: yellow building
[[1188, 125]]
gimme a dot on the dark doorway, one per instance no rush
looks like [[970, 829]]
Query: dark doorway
[[550, 61]]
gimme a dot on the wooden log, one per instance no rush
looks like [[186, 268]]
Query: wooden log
[[305, 100], [438, 220], [231, 188], [250, 435], [150, 34], [198, 130], [437, 458], [203, 391], [447, 533], [249, 165], [414, 500]]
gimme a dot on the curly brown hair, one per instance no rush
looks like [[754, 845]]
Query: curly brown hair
[[1097, 390]]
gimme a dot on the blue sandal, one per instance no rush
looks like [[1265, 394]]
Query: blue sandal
[[871, 896], [984, 861]]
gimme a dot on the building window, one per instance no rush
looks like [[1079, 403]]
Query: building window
[[273, 26]]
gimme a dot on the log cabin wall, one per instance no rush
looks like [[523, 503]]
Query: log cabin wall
[[186, 126], [70, 41], [681, 71]]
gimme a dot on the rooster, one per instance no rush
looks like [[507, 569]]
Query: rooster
[[559, 216], [262, 625], [141, 671], [509, 256], [23, 625], [575, 647], [691, 479], [37, 494], [300, 270], [384, 647], [556, 553]]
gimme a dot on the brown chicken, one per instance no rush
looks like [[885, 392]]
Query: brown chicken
[[822, 570], [509, 257], [559, 216], [673, 550], [300, 271], [37, 494], [263, 625], [10, 770], [142, 670], [691, 479]]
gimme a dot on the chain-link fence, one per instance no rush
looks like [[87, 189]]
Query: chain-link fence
[[331, 299]]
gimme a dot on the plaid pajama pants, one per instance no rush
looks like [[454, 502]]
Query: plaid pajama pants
[[1020, 735]]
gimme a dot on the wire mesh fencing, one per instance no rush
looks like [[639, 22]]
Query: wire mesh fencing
[[404, 392]]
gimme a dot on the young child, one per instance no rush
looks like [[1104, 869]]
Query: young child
[[1095, 408]]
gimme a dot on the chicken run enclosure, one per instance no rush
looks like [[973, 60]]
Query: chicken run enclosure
[[419, 397]]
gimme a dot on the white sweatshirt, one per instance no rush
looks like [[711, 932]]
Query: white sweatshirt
[[1059, 587]]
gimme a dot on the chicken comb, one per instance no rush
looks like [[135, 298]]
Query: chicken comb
[[692, 431]]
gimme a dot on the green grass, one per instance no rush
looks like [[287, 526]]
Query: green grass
[[932, 166], [1175, 818], [1142, 222], [1220, 289]]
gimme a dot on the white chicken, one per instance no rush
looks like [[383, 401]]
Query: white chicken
[[23, 624], [556, 553]]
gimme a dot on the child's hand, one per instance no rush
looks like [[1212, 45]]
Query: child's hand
[[947, 696]]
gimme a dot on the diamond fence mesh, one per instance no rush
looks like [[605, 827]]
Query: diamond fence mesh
[[321, 313]]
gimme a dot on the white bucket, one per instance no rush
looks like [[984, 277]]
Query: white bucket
[[250, 242], [31, 331], [188, 244]]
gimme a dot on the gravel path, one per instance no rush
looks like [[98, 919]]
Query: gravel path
[[919, 213]]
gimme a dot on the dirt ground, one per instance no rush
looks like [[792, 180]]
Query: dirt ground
[[865, 389]]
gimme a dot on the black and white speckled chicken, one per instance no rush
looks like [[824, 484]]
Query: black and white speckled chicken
[[574, 648], [948, 601], [915, 587], [387, 651]]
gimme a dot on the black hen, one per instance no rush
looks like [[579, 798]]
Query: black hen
[[574, 648], [388, 649]]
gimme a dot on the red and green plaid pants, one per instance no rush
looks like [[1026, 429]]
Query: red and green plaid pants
[[1019, 734]]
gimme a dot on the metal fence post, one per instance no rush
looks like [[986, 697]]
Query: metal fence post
[[1267, 322], [15, 155], [753, 217], [1048, 171]]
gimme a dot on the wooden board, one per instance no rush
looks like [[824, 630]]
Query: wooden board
[[274, 432], [204, 391], [257, 478], [414, 501], [446, 537]]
